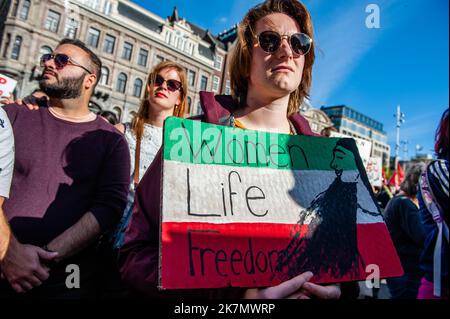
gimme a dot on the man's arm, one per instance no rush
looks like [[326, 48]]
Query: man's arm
[[108, 204], [76, 238]]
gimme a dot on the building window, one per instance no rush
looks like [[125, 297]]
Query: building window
[[191, 78], [199, 108], [71, 28], [218, 62], [52, 21], [137, 88], [121, 83], [204, 83], [44, 50], [127, 51], [16, 48], [216, 82], [25, 10], [118, 112], [93, 37], [104, 78], [158, 59], [189, 103], [143, 57], [314, 127], [107, 9], [227, 87], [109, 44]]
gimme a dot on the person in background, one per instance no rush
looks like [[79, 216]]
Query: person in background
[[270, 76], [434, 212], [327, 131], [403, 221], [109, 117], [165, 95]]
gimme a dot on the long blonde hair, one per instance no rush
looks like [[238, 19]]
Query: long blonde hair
[[241, 56], [137, 124]]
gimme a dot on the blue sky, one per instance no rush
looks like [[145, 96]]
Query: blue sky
[[405, 62]]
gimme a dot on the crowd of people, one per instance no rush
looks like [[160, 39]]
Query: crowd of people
[[80, 188]]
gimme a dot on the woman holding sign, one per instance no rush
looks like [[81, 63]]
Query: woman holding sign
[[270, 76]]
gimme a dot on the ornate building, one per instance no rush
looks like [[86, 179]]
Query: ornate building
[[318, 120], [129, 39]]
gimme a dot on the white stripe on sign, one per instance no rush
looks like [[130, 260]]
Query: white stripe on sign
[[226, 194]]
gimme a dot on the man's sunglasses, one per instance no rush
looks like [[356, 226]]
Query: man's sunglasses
[[172, 85], [61, 60], [270, 42]]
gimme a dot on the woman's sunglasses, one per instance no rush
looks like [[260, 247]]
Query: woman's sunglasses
[[270, 42], [172, 85], [61, 60]]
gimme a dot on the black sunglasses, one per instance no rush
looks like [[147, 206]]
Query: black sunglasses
[[61, 60], [172, 85], [270, 42]]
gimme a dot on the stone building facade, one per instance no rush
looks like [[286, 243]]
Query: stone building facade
[[129, 39]]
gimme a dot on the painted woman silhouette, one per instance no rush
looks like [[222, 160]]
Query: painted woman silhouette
[[328, 245]]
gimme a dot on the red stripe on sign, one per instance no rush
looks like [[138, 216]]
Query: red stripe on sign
[[204, 255]]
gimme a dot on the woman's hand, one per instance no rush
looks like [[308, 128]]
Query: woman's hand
[[295, 288]]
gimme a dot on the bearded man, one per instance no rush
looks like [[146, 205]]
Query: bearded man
[[69, 186]]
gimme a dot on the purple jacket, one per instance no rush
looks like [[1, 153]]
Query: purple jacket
[[138, 258]]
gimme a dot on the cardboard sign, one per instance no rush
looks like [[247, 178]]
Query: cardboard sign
[[364, 147], [7, 85], [249, 209], [374, 171]]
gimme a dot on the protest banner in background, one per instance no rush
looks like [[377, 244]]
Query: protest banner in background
[[248, 209], [374, 171], [7, 85], [364, 147]]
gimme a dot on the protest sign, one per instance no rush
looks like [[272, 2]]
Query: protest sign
[[249, 209], [364, 146], [7, 85], [374, 171]]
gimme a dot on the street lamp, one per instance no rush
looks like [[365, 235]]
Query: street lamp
[[400, 119], [418, 149]]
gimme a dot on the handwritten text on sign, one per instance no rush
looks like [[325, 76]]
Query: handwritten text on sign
[[232, 197], [7, 85]]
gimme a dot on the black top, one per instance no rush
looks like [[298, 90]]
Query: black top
[[403, 221]]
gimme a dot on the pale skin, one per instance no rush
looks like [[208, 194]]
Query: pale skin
[[272, 78], [24, 265], [162, 101]]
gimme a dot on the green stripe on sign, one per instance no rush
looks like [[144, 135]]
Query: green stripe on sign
[[189, 141]]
